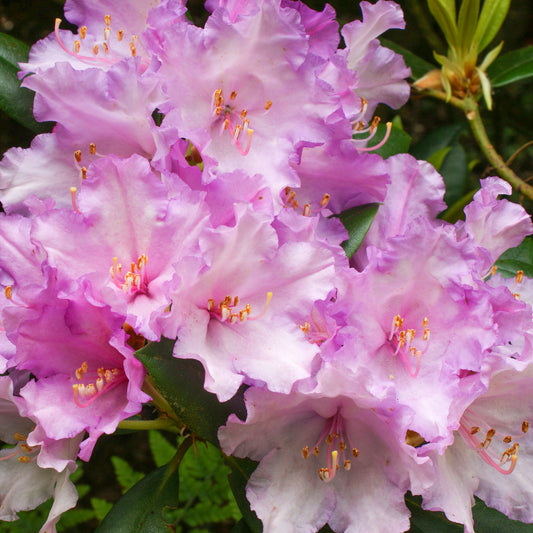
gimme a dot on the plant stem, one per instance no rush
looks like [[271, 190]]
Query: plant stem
[[471, 109], [158, 423], [159, 401]]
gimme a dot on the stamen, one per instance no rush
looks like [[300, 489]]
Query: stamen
[[92, 149], [325, 200], [233, 95], [83, 32], [18, 436], [77, 46], [493, 270], [24, 459], [8, 291], [95, 49], [73, 197], [120, 35], [380, 144], [268, 105], [77, 155], [519, 276], [107, 20], [306, 210]]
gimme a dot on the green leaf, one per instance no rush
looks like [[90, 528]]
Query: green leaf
[[454, 170], [181, 382], [438, 157], [418, 66], [444, 13], [357, 221], [511, 67], [101, 507], [398, 142], [468, 15], [16, 101], [241, 470], [488, 520], [126, 476], [140, 509], [162, 450], [12, 50], [519, 258], [437, 140], [492, 16], [428, 521]]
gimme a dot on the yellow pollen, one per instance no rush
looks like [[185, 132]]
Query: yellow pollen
[[85, 366], [305, 452], [306, 327], [133, 49], [398, 321], [226, 124], [8, 291], [425, 322], [425, 337], [375, 121], [77, 155], [316, 451], [24, 459], [107, 20], [325, 200], [77, 46], [218, 110], [92, 148], [519, 276], [18, 436], [233, 95], [83, 173], [95, 49], [243, 114], [493, 270], [268, 105], [83, 32], [355, 452], [120, 35], [525, 426], [106, 48], [516, 296]]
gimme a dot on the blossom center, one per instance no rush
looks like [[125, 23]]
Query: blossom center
[[407, 346], [134, 280], [227, 116], [91, 385], [334, 436], [228, 309], [21, 449], [99, 51], [493, 446], [291, 200]]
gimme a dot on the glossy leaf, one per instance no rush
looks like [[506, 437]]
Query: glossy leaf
[[140, 510], [357, 221], [519, 258], [181, 382], [493, 14], [426, 521], [241, 470], [437, 140], [12, 50], [418, 66], [511, 67]]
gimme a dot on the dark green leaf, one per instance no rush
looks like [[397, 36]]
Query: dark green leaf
[[397, 143], [357, 221], [17, 101], [241, 527], [140, 509], [454, 170], [181, 382], [427, 521], [487, 520], [418, 66], [13, 50], [519, 258], [513, 66], [437, 140], [241, 470]]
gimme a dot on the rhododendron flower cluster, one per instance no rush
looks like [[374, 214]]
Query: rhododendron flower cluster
[[191, 189]]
